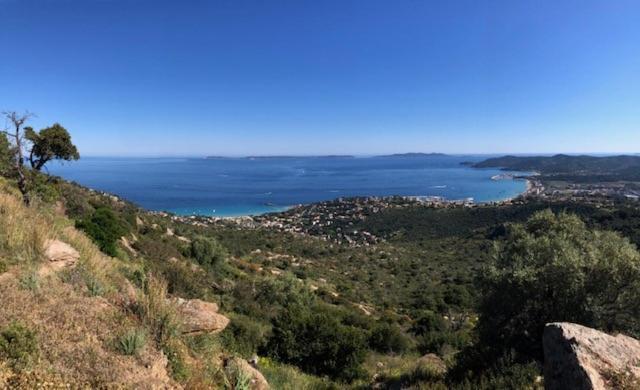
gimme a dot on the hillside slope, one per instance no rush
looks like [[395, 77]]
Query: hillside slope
[[623, 167], [62, 323]]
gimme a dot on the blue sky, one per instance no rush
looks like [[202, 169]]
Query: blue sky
[[235, 77]]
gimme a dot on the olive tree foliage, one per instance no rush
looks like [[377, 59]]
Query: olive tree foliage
[[207, 251], [51, 143], [555, 268], [19, 141]]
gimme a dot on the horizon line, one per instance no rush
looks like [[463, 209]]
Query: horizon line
[[357, 155]]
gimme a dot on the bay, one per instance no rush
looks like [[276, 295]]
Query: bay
[[249, 186]]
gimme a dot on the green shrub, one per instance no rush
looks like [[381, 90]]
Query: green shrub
[[388, 338], [457, 295], [428, 322], [94, 286], [43, 187], [3, 267], [243, 336], [317, 342], [207, 251], [175, 353], [105, 228], [30, 281], [18, 345], [131, 342], [439, 341], [554, 268]]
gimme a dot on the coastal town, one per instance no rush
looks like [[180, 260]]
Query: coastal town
[[337, 220]]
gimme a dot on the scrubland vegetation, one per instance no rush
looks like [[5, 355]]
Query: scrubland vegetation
[[328, 316], [451, 298]]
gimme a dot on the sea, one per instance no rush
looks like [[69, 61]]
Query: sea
[[226, 187]]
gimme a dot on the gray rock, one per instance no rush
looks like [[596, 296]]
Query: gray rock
[[578, 357], [198, 316]]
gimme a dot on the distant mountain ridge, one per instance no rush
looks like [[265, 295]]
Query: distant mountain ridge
[[562, 163]]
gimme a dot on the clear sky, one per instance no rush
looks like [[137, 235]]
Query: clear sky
[[236, 77]]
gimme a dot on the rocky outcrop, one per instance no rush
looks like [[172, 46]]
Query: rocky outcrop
[[58, 251], [198, 316], [577, 357], [240, 370], [58, 255]]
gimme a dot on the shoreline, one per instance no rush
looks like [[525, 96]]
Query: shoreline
[[433, 200], [430, 200]]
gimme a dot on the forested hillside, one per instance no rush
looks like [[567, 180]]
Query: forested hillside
[[590, 168]]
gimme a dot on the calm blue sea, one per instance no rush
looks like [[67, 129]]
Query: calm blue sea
[[246, 186]]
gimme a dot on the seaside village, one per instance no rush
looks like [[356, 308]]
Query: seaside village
[[335, 220]]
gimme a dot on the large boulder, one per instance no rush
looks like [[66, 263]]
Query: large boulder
[[577, 357], [198, 316], [58, 255], [58, 251]]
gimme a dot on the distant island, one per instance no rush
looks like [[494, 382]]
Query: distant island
[[275, 157], [396, 155], [402, 155]]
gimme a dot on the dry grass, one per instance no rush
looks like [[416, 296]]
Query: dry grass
[[76, 335], [80, 314], [76, 329], [156, 311], [22, 231]]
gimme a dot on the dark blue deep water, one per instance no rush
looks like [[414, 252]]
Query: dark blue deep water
[[244, 186]]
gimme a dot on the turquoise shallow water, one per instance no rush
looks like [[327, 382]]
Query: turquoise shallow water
[[249, 186]]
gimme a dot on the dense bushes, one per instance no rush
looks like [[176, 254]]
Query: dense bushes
[[243, 336], [207, 251], [104, 227], [388, 338], [315, 341], [427, 322], [553, 268]]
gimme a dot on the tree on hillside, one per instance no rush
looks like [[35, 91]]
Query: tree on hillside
[[207, 251], [16, 133], [554, 268], [51, 143]]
